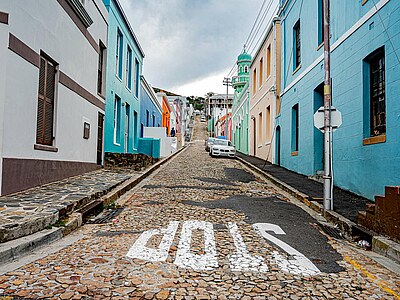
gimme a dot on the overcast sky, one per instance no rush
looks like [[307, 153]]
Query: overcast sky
[[190, 45]]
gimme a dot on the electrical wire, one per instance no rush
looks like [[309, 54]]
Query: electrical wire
[[384, 28], [251, 37]]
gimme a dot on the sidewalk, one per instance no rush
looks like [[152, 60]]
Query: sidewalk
[[310, 192], [345, 203], [41, 215]]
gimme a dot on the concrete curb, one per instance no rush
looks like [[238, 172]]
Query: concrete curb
[[348, 228], [14, 249]]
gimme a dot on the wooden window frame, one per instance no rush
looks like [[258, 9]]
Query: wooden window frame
[[136, 78], [46, 100], [375, 118], [269, 60], [297, 45], [119, 52], [295, 128], [101, 68], [128, 68]]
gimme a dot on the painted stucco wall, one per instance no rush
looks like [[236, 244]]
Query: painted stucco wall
[[357, 31], [147, 104], [263, 95], [47, 27], [241, 122], [118, 87]]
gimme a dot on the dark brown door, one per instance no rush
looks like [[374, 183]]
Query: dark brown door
[[100, 124]]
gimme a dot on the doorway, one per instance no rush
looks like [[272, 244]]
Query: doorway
[[318, 135], [100, 124], [126, 130], [255, 137], [278, 145]]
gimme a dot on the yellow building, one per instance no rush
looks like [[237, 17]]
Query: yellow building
[[265, 72]]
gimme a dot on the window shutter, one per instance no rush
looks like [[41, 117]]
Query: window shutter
[[49, 104], [40, 111], [45, 113]]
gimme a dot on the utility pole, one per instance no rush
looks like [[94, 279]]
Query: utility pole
[[228, 82], [328, 184]]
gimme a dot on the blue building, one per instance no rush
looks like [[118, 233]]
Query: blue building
[[365, 71], [150, 107], [124, 69]]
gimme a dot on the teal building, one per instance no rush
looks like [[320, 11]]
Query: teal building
[[123, 73], [241, 104], [365, 71]]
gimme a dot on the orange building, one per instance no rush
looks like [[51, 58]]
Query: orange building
[[166, 113]]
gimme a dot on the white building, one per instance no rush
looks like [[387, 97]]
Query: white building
[[51, 90]]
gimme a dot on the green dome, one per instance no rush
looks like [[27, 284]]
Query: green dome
[[244, 56]]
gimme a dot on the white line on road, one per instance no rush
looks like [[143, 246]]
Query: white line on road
[[139, 249], [241, 260], [300, 264], [186, 259]]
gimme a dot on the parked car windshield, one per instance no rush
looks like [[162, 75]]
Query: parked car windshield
[[210, 140], [222, 143]]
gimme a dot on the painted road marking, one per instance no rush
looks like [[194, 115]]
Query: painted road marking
[[139, 249], [186, 259], [381, 283], [299, 264], [241, 260]]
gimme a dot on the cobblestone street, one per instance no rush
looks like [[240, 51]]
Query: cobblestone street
[[176, 239]]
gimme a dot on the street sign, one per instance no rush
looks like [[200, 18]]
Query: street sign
[[336, 118]]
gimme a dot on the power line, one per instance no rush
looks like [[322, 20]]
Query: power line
[[261, 23], [263, 34], [387, 33], [250, 37], [255, 21]]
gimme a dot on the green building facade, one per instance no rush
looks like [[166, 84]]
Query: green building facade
[[241, 103]]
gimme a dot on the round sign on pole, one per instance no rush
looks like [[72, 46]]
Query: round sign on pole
[[336, 118]]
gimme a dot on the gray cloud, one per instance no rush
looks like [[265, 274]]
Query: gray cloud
[[185, 40]]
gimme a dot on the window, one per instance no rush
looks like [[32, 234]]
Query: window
[[147, 118], [261, 72], [268, 61], [246, 69], [129, 68], [117, 120], [135, 123], [296, 46], [46, 95], [320, 22], [136, 78], [260, 126], [375, 91], [268, 123], [118, 58], [295, 128], [254, 81], [101, 70]]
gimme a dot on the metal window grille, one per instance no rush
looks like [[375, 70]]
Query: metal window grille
[[377, 94], [297, 44]]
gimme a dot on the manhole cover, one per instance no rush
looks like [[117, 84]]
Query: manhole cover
[[331, 231]]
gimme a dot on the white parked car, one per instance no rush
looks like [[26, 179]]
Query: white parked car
[[222, 148]]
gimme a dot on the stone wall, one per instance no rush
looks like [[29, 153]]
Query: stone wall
[[136, 162]]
